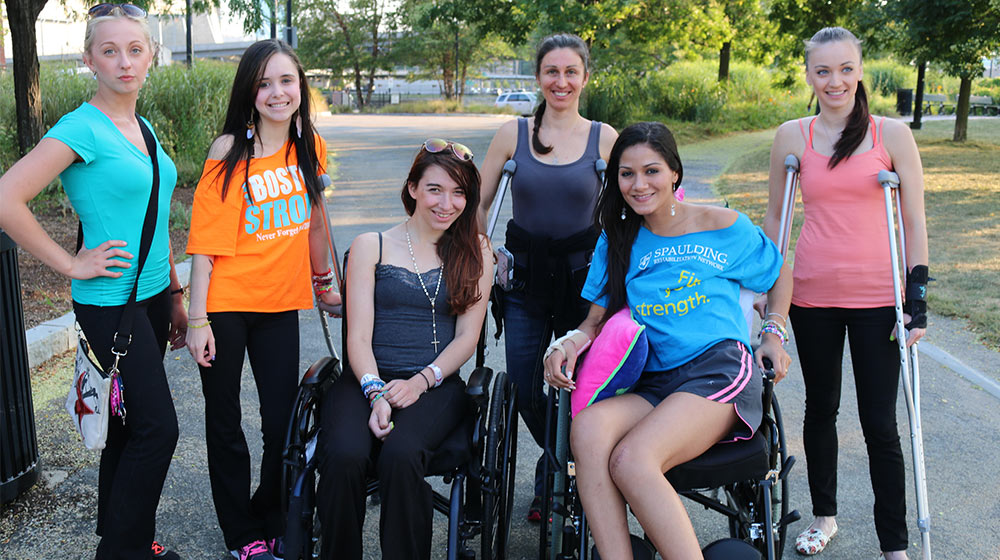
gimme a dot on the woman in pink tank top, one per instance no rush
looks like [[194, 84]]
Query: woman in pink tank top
[[843, 279]]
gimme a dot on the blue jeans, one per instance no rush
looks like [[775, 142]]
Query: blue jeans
[[529, 324]]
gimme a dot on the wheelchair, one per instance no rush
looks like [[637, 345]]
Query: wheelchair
[[747, 481], [477, 460]]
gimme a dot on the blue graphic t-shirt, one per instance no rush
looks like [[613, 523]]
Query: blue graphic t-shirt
[[109, 190], [686, 289]]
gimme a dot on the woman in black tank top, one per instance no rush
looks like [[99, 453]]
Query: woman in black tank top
[[551, 237], [416, 298]]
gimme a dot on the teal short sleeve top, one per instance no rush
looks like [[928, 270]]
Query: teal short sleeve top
[[109, 190]]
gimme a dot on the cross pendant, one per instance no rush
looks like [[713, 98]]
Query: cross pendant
[[435, 342]]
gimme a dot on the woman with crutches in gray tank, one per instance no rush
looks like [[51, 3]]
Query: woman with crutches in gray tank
[[843, 279], [554, 192]]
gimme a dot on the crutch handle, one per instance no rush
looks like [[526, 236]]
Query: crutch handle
[[510, 167], [600, 166], [888, 178], [791, 163]]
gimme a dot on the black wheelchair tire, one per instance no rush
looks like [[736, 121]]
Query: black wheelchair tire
[[498, 468]]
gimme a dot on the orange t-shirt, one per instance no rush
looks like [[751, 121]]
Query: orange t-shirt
[[260, 248]]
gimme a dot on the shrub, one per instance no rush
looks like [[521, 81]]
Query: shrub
[[988, 86], [187, 108], [886, 75], [689, 91], [615, 99]]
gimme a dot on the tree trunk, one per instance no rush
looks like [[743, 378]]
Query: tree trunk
[[724, 61], [346, 32], [918, 99], [21, 15], [962, 110]]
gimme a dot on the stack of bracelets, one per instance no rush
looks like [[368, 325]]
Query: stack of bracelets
[[323, 282], [775, 328], [373, 388]]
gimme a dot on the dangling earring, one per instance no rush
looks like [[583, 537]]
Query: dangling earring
[[673, 209], [250, 130], [298, 124], [623, 212]]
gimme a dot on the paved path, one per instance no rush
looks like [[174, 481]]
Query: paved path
[[962, 429]]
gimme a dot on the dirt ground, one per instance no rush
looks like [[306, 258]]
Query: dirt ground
[[45, 294]]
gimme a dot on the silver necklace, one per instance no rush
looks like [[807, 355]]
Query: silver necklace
[[437, 288]]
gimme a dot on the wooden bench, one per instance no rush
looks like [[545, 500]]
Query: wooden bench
[[940, 101], [983, 105]]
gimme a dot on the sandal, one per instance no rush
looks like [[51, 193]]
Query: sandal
[[813, 541]]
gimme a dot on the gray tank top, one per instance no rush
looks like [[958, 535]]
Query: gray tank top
[[555, 201], [402, 333]]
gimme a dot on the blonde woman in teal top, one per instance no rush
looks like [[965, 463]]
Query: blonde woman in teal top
[[99, 153]]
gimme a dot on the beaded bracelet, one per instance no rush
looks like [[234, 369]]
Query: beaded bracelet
[[323, 276], [774, 328], [205, 324], [378, 396]]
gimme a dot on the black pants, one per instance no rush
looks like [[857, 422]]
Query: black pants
[[349, 453], [135, 460], [272, 342], [819, 338]]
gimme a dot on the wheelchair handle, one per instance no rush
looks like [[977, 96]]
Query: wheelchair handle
[[768, 369]]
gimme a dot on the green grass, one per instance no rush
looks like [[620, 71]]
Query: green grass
[[962, 198]]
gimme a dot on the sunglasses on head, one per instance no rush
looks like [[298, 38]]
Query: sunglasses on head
[[437, 145], [105, 9]]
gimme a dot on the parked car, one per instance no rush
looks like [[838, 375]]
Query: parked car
[[522, 101]]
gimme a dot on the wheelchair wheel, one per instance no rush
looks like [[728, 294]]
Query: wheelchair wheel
[[748, 497], [498, 469], [779, 497]]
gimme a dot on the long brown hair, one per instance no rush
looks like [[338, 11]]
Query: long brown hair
[[241, 111], [615, 216], [857, 122], [460, 247]]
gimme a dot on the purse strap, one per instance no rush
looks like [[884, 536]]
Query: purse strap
[[123, 336]]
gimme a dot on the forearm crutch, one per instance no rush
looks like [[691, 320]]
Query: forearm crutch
[[508, 173], [562, 435], [326, 310], [788, 202], [908, 357]]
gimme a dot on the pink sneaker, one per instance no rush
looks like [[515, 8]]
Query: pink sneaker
[[257, 550]]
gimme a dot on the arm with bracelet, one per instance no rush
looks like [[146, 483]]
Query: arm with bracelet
[[403, 393], [561, 357]]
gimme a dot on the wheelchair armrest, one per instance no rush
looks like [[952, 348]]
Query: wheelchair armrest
[[479, 381], [324, 369]]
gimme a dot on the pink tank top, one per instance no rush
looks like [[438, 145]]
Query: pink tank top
[[842, 255]]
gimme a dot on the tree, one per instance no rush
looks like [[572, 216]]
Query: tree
[[439, 39], [357, 40], [958, 34], [27, 93]]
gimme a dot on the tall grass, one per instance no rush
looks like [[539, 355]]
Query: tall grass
[[186, 108]]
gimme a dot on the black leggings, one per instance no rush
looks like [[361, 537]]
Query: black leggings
[[135, 460], [272, 342], [819, 338], [349, 453]]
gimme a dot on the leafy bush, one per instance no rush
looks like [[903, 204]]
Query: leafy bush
[[886, 75], [614, 98], [187, 108], [689, 91], [988, 86]]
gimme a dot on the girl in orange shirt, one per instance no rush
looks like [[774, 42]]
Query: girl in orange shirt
[[255, 249]]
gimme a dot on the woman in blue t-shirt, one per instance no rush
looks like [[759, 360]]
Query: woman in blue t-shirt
[[99, 153], [679, 268]]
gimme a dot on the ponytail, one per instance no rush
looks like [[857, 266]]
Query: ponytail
[[855, 131], [535, 142]]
